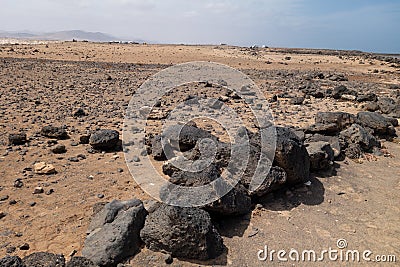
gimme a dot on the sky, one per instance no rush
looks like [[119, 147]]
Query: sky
[[372, 26]]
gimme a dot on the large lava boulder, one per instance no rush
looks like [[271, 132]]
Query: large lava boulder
[[113, 233], [183, 232], [341, 119], [185, 137], [321, 155], [11, 261], [44, 259], [356, 139], [275, 179], [379, 124], [104, 140], [235, 202], [292, 156]]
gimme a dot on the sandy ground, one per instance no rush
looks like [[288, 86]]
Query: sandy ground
[[44, 84]]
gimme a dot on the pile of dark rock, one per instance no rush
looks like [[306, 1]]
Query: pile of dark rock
[[45, 259], [351, 135], [368, 98], [119, 229]]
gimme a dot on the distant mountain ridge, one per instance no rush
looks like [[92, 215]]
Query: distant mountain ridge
[[65, 36]]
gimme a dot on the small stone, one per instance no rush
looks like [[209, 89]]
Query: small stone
[[100, 196], [73, 253], [120, 170], [104, 140], [52, 142], [44, 168], [84, 139], [49, 192], [32, 204], [168, 259], [73, 159], [2, 215], [38, 190], [17, 139], [54, 132], [18, 183], [73, 143], [24, 247], [81, 156], [297, 100], [12, 202], [79, 113], [136, 159], [4, 198], [11, 249], [59, 149]]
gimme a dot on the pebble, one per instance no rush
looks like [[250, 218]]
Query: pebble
[[120, 170], [32, 204], [74, 143], [4, 198], [44, 168], [168, 259], [49, 192], [73, 159], [81, 156], [59, 149], [38, 190], [18, 183], [10, 250], [100, 196], [24, 247], [2, 215], [12, 202], [136, 159]]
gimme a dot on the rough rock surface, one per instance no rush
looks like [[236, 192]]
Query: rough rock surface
[[44, 259], [292, 156], [275, 179], [114, 232], [44, 168], [236, 202], [104, 139], [11, 261], [186, 136], [182, 232], [341, 119], [332, 140], [80, 262], [356, 138], [321, 155], [54, 132], [375, 121], [17, 139]]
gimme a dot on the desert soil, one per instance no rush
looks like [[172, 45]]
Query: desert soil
[[44, 84]]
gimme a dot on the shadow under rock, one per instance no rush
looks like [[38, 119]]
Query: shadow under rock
[[231, 226], [289, 198]]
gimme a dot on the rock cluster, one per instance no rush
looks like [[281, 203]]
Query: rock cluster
[[352, 135], [45, 259]]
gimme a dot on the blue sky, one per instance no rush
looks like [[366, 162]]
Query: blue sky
[[353, 24]]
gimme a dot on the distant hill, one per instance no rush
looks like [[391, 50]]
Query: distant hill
[[65, 36]]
